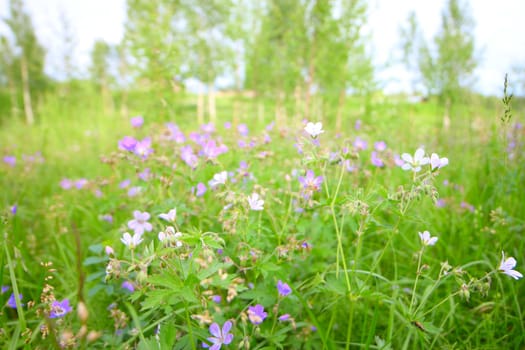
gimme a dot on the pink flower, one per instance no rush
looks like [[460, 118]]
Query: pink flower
[[140, 222]]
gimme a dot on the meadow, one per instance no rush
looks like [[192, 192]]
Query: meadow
[[154, 232]]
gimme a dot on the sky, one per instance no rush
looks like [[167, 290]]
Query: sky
[[498, 32]]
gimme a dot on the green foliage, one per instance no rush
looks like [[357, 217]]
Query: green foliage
[[446, 67]]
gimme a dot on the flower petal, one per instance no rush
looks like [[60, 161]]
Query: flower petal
[[215, 330]]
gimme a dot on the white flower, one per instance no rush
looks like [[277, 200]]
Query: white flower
[[170, 216], [219, 179], [255, 202], [131, 241], [170, 237], [506, 266], [436, 162], [314, 129], [426, 239], [416, 162]]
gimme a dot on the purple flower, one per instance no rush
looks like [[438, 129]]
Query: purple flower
[[360, 144], [4, 289], [283, 288], [208, 128], [187, 155], [10, 160], [227, 125], [310, 183], [140, 222], [143, 148], [216, 299], [127, 143], [200, 189], [59, 308], [14, 208], [440, 203], [175, 134], [137, 121], [256, 314], [358, 124], [380, 146], [128, 285], [66, 184], [133, 191], [242, 129], [210, 149], [81, 183], [376, 160], [11, 302], [284, 317], [219, 337], [107, 218], [145, 174], [125, 183]]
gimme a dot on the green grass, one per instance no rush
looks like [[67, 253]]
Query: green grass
[[356, 282]]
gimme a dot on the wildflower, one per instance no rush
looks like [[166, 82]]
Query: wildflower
[[242, 129], [10, 160], [415, 163], [4, 289], [208, 128], [200, 189], [143, 148], [127, 143], [133, 191], [256, 314], [506, 266], [145, 174], [140, 222], [436, 162], [170, 237], [11, 302], [66, 184], [14, 209], [107, 218], [376, 161], [109, 250], [310, 183], [59, 308], [283, 288], [314, 129], [220, 337], [187, 155], [426, 239], [81, 183], [360, 144], [218, 179], [284, 317], [131, 241], [255, 202], [137, 121], [170, 216], [380, 146], [128, 285]]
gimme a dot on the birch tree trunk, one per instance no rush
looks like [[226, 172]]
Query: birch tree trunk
[[28, 109]]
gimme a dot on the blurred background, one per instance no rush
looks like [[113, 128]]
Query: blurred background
[[302, 55]]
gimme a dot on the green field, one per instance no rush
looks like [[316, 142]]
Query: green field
[[337, 229]]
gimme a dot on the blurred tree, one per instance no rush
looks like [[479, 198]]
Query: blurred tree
[[276, 59], [209, 49], [28, 56], [100, 71], [7, 73], [153, 40], [341, 63], [445, 68]]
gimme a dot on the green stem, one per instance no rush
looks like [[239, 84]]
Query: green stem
[[416, 280]]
